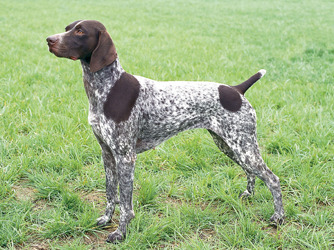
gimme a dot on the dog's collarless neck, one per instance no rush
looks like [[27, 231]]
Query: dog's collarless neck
[[112, 72]]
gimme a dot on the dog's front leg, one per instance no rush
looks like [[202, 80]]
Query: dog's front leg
[[125, 169], [111, 183]]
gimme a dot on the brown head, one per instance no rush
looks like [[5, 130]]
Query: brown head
[[87, 40]]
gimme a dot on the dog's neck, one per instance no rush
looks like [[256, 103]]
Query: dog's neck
[[112, 72], [98, 84]]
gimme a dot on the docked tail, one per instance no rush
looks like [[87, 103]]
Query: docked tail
[[242, 88]]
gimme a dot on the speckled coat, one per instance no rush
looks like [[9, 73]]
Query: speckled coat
[[131, 114]]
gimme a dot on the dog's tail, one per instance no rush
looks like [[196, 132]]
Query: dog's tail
[[242, 88]]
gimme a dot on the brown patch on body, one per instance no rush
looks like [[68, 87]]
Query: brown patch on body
[[229, 98], [122, 98]]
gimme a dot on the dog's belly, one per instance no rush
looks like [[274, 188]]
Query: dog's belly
[[154, 133]]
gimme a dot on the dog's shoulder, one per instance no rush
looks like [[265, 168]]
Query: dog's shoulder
[[121, 98]]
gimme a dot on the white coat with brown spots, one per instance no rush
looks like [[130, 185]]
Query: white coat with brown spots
[[131, 114]]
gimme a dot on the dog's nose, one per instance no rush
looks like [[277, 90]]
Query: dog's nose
[[52, 40]]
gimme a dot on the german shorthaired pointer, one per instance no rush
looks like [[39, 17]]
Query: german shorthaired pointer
[[131, 114]]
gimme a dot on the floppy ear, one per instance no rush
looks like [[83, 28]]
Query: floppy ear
[[104, 53], [71, 25]]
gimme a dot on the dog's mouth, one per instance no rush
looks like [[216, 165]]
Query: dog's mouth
[[59, 53], [51, 49], [54, 51]]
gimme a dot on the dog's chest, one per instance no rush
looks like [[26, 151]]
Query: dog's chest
[[96, 97], [97, 86]]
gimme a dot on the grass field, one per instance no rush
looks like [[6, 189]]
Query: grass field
[[52, 185]]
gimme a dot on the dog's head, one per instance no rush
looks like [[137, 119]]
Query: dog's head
[[87, 40]]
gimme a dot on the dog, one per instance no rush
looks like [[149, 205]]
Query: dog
[[130, 114]]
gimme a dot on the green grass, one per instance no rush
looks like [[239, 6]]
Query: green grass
[[186, 191]]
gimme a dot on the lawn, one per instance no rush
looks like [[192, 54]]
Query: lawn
[[52, 184]]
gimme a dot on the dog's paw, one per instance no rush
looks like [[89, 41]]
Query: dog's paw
[[115, 237], [277, 219], [244, 195], [103, 221]]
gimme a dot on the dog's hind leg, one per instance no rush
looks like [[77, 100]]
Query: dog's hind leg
[[250, 185], [246, 153], [222, 145]]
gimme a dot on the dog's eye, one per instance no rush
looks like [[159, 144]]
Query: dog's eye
[[80, 32]]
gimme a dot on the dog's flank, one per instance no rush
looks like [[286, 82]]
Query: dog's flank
[[132, 114]]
